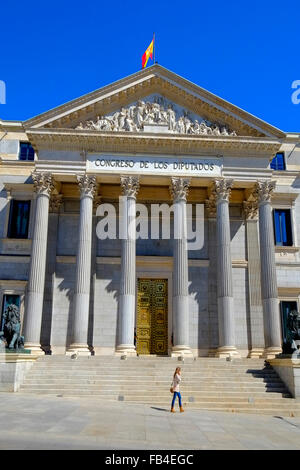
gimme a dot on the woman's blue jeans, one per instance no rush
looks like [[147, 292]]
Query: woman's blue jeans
[[176, 394]]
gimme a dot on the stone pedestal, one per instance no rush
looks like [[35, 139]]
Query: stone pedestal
[[43, 186], [13, 369], [87, 185], [179, 190], [127, 297], [288, 369]]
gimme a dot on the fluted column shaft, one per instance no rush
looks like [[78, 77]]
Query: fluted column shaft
[[43, 187], [269, 289], [130, 187], [179, 190], [224, 271], [87, 185], [256, 328]]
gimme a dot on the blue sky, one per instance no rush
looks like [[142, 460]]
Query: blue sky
[[245, 52]]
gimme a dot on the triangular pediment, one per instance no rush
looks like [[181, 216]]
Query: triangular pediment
[[154, 100]]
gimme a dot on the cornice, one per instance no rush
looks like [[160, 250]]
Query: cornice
[[93, 141]]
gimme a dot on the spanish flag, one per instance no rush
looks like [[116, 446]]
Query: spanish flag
[[148, 53]]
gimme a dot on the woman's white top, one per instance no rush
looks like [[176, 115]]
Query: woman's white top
[[176, 382]]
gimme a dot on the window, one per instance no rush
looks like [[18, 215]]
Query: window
[[18, 219], [283, 227], [8, 299], [278, 162], [26, 151]]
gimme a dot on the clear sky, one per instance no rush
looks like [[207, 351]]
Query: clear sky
[[245, 52]]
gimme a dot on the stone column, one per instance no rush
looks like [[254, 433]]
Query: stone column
[[269, 290], [255, 323], [127, 297], [179, 190], [43, 186], [212, 305], [227, 347], [87, 186], [54, 209]]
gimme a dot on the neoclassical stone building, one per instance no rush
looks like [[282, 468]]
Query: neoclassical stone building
[[155, 138]]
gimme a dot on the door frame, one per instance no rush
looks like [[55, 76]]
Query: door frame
[[148, 268]]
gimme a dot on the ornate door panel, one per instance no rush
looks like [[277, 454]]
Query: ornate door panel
[[152, 316]]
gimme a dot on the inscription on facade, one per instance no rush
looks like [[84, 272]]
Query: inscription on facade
[[155, 165]]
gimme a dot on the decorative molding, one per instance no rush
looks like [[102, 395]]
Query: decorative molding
[[43, 183], [87, 185], [250, 210], [130, 186], [286, 249], [222, 189], [179, 188], [211, 206], [96, 141], [263, 191], [55, 203]]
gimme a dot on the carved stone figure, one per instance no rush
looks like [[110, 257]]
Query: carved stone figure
[[203, 128], [171, 118], [159, 111], [292, 332], [187, 125], [224, 131], [140, 111], [129, 124], [2, 341], [12, 327], [121, 118], [180, 128]]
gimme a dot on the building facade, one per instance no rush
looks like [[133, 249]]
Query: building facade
[[150, 141]]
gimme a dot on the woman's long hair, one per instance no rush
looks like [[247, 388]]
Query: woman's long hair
[[178, 369]]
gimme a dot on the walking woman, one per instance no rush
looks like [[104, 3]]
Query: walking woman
[[176, 391]]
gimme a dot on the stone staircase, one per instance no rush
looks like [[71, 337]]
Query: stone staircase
[[241, 385]]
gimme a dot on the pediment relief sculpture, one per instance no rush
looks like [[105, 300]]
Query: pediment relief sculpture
[[155, 115]]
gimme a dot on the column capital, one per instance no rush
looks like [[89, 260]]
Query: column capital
[[211, 206], [263, 191], [222, 189], [130, 186], [43, 183], [87, 185], [250, 210], [55, 202], [179, 188]]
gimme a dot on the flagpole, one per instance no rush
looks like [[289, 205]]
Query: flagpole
[[154, 48]]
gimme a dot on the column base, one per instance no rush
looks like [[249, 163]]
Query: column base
[[271, 353], [125, 350], [34, 348], [256, 353], [227, 351], [181, 350], [212, 353], [79, 349]]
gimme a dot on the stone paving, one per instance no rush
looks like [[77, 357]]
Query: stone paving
[[42, 422]]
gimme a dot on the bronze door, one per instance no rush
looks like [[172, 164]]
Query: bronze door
[[152, 317]]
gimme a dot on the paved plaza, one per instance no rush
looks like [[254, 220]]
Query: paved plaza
[[42, 422]]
